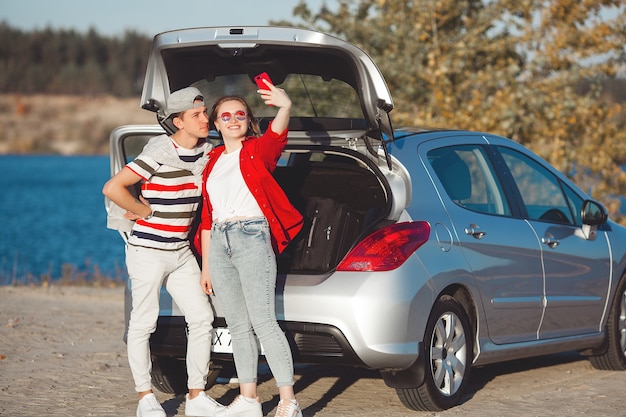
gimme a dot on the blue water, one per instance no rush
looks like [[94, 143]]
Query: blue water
[[53, 221]]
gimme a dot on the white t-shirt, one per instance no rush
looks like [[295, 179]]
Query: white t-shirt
[[228, 191]]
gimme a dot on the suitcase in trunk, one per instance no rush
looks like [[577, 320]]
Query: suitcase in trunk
[[330, 230]]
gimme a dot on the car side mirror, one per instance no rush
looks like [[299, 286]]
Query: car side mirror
[[593, 213]]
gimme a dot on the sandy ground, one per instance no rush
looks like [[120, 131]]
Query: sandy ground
[[62, 354]]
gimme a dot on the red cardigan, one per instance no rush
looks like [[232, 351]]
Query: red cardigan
[[258, 159]]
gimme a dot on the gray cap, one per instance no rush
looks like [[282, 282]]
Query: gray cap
[[183, 99]]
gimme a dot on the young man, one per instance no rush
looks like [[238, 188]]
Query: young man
[[169, 169]]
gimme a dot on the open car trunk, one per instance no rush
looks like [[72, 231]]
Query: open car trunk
[[342, 197]]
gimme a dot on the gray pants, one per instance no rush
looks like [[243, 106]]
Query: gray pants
[[147, 270]]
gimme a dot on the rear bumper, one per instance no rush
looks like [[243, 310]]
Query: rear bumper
[[310, 343]]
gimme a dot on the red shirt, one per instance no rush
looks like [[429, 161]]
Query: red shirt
[[257, 160]]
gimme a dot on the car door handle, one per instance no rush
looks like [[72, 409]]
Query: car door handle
[[550, 241], [473, 231]]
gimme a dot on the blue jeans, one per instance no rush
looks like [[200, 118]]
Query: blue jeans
[[242, 265]]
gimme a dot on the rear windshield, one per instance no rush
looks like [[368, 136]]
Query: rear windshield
[[311, 96]]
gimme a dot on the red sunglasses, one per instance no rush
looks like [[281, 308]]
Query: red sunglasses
[[239, 115]]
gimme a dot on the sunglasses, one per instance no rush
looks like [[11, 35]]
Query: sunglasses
[[239, 115]]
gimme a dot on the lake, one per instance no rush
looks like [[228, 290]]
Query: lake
[[53, 219]]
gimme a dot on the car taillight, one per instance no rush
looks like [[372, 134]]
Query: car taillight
[[386, 249]]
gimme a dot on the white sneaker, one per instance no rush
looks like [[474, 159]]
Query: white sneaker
[[149, 406], [201, 406], [242, 407], [288, 408]]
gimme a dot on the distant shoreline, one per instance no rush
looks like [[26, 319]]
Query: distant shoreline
[[64, 124]]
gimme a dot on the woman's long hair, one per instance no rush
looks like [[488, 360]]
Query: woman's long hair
[[253, 123]]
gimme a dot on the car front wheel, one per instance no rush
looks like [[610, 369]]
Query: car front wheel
[[448, 344], [614, 359]]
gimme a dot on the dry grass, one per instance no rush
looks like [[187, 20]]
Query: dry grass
[[65, 125], [89, 275]]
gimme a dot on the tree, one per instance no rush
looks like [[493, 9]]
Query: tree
[[511, 67], [67, 62]]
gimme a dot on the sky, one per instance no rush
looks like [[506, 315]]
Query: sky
[[114, 17]]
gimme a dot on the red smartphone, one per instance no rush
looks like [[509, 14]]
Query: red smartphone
[[259, 80]]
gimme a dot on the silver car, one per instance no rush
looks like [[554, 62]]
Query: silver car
[[425, 253]]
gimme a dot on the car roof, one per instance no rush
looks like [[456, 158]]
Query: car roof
[[320, 72]]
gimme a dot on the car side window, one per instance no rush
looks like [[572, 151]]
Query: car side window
[[468, 178], [576, 203], [541, 191]]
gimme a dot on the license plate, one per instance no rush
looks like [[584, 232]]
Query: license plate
[[221, 342]]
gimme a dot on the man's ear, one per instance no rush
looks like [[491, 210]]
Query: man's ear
[[178, 123]]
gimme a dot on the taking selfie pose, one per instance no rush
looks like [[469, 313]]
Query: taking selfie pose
[[246, 221]]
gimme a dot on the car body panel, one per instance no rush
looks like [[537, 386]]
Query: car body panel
[[576, 265], [372, 310], [577, 278], [508, 271]]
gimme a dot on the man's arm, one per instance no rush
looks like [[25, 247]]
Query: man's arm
[[116, 189]]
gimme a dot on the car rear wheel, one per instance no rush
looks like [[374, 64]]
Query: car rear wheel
[[614, 359], [448, 344], [169, 375]]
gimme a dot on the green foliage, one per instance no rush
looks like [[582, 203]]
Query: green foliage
[[534, 71], [67, 62]]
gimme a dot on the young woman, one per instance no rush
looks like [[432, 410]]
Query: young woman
[[246, 220]]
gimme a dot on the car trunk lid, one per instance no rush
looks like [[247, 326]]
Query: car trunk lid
[[337, 91]]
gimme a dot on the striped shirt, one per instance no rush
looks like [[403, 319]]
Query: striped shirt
[[173, 194]]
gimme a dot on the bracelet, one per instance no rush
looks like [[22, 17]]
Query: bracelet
[[149, 216]]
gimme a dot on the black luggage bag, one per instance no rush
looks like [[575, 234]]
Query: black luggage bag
[[330, 230]]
